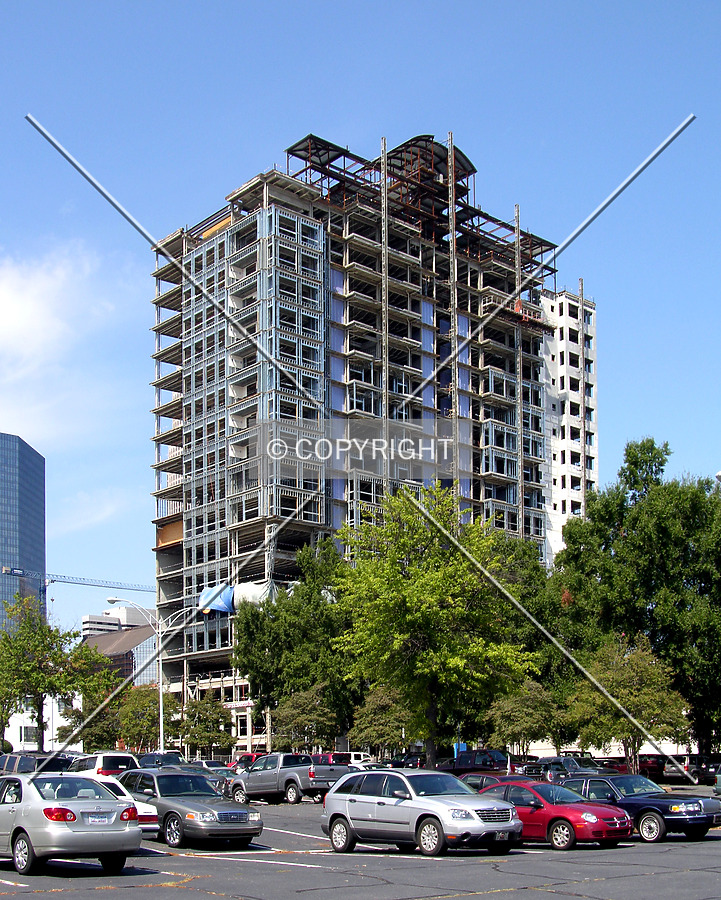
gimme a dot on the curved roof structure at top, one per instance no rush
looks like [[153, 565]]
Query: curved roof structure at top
[[434, 154]]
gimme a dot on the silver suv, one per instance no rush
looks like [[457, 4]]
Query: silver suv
[[430, 810]]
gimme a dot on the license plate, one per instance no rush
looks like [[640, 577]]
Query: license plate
[[501, 835], [97, 820]]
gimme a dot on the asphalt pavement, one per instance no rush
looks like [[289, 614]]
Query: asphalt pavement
[[292, 859]]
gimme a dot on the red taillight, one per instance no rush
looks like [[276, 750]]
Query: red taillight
[[324, 796], [109, 771], [311, 772], [59, 814], [129, 815]]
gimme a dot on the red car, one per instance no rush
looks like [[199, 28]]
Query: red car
[[552, 813]]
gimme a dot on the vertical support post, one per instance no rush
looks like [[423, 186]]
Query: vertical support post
[[384, 303], [453, 286], [161, 724], [517, 222], [582, 380]]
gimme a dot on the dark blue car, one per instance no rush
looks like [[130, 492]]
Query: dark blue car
[[654, 812]]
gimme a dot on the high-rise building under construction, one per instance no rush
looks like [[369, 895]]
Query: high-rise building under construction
[[351, 293]]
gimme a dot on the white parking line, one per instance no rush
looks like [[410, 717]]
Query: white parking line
[[13, 883], [315, 837]]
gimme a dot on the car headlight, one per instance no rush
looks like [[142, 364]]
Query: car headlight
[[460, 814], [202, 817], [589, 817], [686, 807], [254, 816]]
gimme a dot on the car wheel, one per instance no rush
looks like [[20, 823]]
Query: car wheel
[[292, 793], [341, 837], [696, 833], [24, 858], [651, 827], [406, 846], [561, 835], [113, 863], [239, 794], [173, 831], [430, 837]]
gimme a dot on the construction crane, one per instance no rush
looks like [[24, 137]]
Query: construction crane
[[46, 578]]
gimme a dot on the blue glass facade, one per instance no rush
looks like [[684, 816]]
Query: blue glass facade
[[22, 518]]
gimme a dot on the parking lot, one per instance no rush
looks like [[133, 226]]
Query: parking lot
[[293, 859]]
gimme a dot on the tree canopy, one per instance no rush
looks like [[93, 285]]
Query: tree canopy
[[423, 621]]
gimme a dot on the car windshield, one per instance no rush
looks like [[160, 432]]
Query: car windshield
[[181, 785], [629, 785], [554, 793], [436, 784], [55, 788]]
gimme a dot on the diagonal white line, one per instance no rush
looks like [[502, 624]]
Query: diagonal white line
[[431, 519], [564, 245], [169, 634], [154, 244]]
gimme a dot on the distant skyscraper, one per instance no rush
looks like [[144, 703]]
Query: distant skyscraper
[[22, 518]]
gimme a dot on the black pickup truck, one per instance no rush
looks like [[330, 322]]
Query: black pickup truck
[[476, 761]]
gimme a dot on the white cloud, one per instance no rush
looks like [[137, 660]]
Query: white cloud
[[62, 319], [87, 509]]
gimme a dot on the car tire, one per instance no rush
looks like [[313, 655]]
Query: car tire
[[651, 827], [24, 858], [239, 794], [561, 835], [430, 837], [113, 863], [696, 833], [173, 831], [406, 846], [341, 837], [293, 794]]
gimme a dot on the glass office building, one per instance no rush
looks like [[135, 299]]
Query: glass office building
[[22, 519]]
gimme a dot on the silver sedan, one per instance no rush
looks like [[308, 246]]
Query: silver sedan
[[50, 815], [431, 810], [190, 807]]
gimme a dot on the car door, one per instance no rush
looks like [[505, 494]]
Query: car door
[[533, 817], [362, 805], [266, 778], [11, 792], [599, 790], [393, 813]]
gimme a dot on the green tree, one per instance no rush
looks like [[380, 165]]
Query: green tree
[[531, 713], [647, 561], [284, 644], [305, 720], [207, 724], [103, 730], [382, 723], [140, 718], [424, 621], [44, 661], [642, 684]]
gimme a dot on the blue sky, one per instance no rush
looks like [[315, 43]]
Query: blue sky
[[172, 106]]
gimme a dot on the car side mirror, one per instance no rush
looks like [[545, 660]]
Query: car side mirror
[[535, 804], [149, 791], [402, 795]]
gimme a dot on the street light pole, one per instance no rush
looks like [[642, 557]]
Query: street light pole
[[157, 624]]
